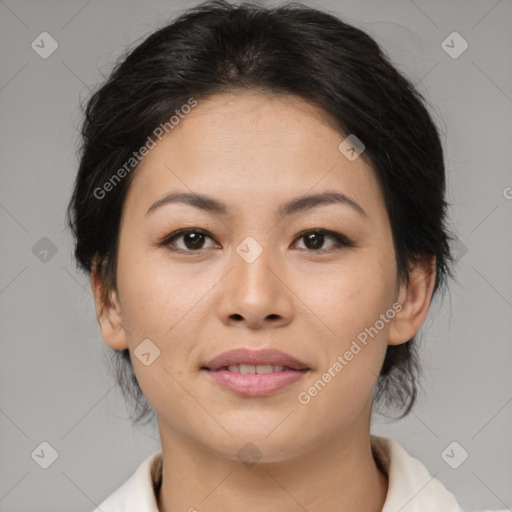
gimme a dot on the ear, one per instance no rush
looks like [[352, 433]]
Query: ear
[[415, 297], [108, 314]]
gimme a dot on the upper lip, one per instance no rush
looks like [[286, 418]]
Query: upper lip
[[255, 357]]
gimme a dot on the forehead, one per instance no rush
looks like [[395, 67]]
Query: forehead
[[263, 144]]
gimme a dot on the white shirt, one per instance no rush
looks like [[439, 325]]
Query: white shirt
[[411, 488]]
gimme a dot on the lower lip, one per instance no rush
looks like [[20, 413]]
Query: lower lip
[[254, 384]]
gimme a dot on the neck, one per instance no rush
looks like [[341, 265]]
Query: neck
[[339, 475]]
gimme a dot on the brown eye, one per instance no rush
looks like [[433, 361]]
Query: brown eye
[[314, 239], [193, 240]]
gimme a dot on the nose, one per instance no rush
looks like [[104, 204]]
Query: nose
[[255, 294]]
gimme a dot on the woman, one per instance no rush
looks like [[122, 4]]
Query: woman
[[260, 206]]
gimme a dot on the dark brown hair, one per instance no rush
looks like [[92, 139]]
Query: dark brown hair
[[217, 47]]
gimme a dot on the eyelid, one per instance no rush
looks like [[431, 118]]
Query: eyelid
[[341, 240], [183, 231]]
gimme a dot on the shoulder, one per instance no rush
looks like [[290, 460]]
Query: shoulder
[[138, 492], [411, 487]]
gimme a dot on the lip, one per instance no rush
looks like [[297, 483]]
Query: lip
[[249, 356], [255, 385]]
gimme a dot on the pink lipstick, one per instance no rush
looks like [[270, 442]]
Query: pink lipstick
[[255, 373]]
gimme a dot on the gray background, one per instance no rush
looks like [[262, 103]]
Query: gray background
[[55, 384]]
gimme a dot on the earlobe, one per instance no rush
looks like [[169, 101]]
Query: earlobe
[[415, 297], [108, 313]]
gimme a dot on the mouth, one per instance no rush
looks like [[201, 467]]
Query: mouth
[[251, 369], [255, 373]]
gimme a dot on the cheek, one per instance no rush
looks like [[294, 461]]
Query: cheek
[[156, 293], [157, 308], [161, 302], [354, 303], [350, 296]]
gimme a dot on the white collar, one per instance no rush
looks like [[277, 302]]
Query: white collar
[[411, 488]]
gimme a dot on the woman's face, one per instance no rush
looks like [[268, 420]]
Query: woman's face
[[253, 281]]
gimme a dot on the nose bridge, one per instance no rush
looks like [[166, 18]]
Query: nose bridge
[[253, 261], [255, 292]]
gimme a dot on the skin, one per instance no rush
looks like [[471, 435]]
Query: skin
[[254, 152]]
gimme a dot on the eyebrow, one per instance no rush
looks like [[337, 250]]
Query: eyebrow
[[291, 207]]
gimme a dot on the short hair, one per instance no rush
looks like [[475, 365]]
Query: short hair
[[217, 47]]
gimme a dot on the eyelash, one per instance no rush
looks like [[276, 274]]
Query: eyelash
[[341, 241]]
